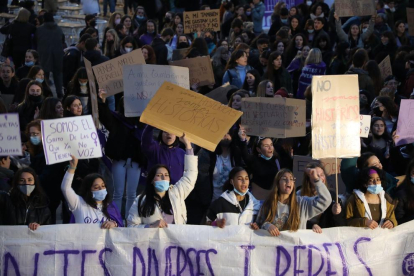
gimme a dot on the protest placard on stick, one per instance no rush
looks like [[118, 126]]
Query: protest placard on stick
[[10, 142], [410, 21], [109, 74], [201, 21], [93, 90], [201, 71], [385, 67], [274, 117], [178, 110], [143, 81], [64, 137], [405, 125], [344, 8]]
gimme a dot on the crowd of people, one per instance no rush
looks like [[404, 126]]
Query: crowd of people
[[149, 178]]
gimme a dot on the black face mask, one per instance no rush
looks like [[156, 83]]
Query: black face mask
[[363, 102], [35, 99], [182, 45], [377, 111], [208, 40], [225, 143], [167, 20]]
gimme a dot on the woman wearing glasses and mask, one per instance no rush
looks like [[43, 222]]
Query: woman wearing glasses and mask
[[284, 210]]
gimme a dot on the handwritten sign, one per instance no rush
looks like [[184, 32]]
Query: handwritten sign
[[176, 110], [206, 20], [365, 123], [82, 249], [201, 71], [143, 81], [299, 166], [410, 21], [70, 136], [109, 74], [405, 125], [92, 88], [335, 116], [385, 67], [346, 8], [274, 117], [10, 143], [178, 54]]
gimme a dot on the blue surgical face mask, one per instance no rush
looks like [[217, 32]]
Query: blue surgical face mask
[[140, 17], [35, 140], [99, 195], [162, 185], [311, 31], [39, 80], [375, 189], [240, 193], [83, 83], [29, 63], [265, 157], [284, 21], [412, 179]]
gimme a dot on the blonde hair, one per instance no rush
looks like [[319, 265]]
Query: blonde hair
[[111, 22], [314, 56], [269, 208], [307, 188], [387, 92], [115, 45], [261, 88], [23, 15]]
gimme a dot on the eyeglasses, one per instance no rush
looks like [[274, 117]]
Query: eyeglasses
[[287, 180]]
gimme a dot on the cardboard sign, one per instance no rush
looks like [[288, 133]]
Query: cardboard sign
[[405, 125], [206, 20], [70, 136], [109, 74], [236, 250], [10, 142], [346, 8], [410, 21], [299, 166], [92, 88], [143, 81], [365, 122], [201, 71], [220, 93], [335, 116], [274, 117], [178, 54], [177, 110], [385, 67]]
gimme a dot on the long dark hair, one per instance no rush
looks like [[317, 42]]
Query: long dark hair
[[234, 56], [33, 72], [18, 198], [273, 74], [409, 186], [48, 109], [67, 103], [199, 46], [227, 186], [257, 79], [149, 198], [74, 86], [363, 178], [87, 195]]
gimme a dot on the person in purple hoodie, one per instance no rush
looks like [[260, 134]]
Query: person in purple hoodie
[[164, 151], [314, 66], [150, 33]]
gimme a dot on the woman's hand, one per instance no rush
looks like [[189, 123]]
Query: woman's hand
[[159, 224], [73, 164], [387, 224], [102, 94], [317, 229], [33, 226], [273, 230], [336, 209], [313, 175], [221, 222], [185, 141], [336, 16], [36, 114], [242, 134], [254, 226], [108, 224], [372, 224]]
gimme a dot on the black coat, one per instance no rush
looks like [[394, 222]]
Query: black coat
[[95, 57], [161, 51], [19, 212], [121, 143], [403, 213], [328, 219], [21, 34], [71, 62]]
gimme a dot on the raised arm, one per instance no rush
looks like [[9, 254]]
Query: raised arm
[[148, 145], [342, 36], [71, 197]]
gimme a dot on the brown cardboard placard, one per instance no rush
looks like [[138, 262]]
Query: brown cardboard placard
[[205, 20], [94, 95], [344, 8], [201, 71], [385, 67]]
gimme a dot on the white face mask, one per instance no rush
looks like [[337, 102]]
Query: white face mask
[[127, 49], [117, 21], [309, 3]]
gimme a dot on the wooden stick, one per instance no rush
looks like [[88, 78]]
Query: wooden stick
[[336, 178]]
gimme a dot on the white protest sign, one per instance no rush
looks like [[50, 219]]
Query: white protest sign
[[10, 143], [335, 116], [79, 249], [141, 82], [365, 125], [64, 137]]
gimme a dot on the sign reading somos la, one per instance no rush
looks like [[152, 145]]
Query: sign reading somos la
[[64, 137], [335, 116], [80, 249]]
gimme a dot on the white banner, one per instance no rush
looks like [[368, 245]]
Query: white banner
[[64, 137], [10, 142], [204, 250]]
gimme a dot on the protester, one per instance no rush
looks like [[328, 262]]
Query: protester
[[236, 69], [405, 195]]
